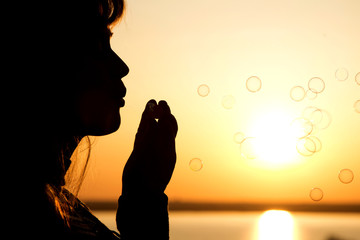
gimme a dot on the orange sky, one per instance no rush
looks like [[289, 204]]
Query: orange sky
[[172, 47]]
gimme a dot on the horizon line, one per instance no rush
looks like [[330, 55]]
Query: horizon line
[[241, 207]]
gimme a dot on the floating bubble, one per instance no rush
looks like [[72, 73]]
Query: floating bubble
[[301, 127], [316, 85], [306, 147], [247, 148], [318, 143], [357, 78], [196, 164], [320, 118], [316, 194], [253, 84], [346, 176], [297, 93], [228, 101], [239, 137], [326, 119], [203, 90], [357, 106], [341, 74], [316, 116]]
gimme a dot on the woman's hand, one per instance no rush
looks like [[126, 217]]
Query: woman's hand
[[151, 164]]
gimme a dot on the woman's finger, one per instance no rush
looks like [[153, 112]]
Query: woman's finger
[[167, 122], [147, 122]]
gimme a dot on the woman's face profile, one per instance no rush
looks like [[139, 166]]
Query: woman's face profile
[[100, 91]]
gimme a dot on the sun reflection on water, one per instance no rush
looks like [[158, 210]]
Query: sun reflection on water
[[276, 224]]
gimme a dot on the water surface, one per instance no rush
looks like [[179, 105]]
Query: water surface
[[187, 225]]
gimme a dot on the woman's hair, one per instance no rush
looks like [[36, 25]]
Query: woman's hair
[[48, 40]]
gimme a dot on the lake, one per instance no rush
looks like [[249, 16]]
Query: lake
[[270, 225]]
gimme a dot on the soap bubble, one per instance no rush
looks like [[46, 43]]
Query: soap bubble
[[357, 78], [203, 90], [247, 148], [297, 93], [316, 85], [316, 194], [357, 106], [341, 74], [317, 141], [196, 164], [228, 102], [346, 176], [316, 116], [253, 84], [306, 147], [301, 127], [320, 118], [326, 119], [239, 137]]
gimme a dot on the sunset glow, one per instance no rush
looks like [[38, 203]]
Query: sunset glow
[[275, 140], [265, 94]]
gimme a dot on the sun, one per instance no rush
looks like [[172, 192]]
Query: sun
[[273, 140]]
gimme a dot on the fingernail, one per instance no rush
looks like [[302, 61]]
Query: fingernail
[[151, 108]]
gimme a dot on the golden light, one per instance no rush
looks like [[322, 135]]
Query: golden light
[[273, 139], [276, 224]]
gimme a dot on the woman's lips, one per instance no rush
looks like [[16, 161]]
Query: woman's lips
[[122, 102]]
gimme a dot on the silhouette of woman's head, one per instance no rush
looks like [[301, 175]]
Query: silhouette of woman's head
[[82, 70], [68, 84]]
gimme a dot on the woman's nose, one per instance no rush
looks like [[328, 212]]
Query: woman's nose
[[120, 69]]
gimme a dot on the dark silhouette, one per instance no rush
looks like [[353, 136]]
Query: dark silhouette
[[63, 82]]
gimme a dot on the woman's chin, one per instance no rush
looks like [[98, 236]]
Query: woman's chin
[[110, 125]]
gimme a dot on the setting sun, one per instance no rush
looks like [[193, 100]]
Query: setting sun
[[273, 141]]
